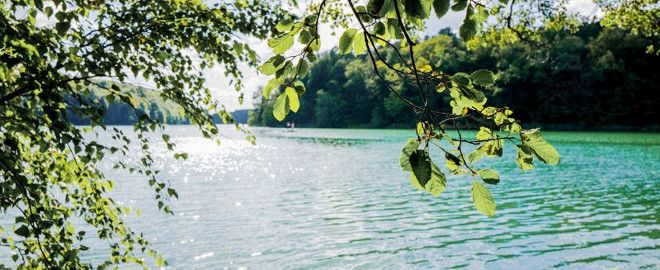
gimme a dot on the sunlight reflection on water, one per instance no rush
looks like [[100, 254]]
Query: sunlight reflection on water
[[328, 199], [337, 199]]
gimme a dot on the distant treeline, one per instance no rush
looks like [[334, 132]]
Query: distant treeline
[[594, 78], [147, 102]]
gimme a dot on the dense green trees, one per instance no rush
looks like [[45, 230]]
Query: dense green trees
[[118, 112], [594, 78]]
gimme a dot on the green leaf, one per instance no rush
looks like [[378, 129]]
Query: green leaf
[[22, 231], [284, 25], [435, 186], [453, 158], [269, 67], [420, 128], [394, 29], [453, 167], [379, 28], [524, 158], [482, 199], [421, 165], [416, 9], [315, 45], [272, 84], [438, 181], [363, 13], [292, 97], [489, 176], [311, 57], [483, 77], [477, 154], [441, 7], [375, 6], [495, 147], [484, 133], [360, 44], [281, 44], [415, 183], [302, 68], [490, 148], [468, 29], [285, 70], [299, 86], [304, 37], [280, 107], [473, 94], [459, 5], [543, 150], [346, 41], [411, 145], [160, 262], [461, 79], [62, 27]]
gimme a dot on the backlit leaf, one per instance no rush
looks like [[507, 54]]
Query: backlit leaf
[[346, 41], [280, 107], [269, 67], [484, 133], [483, 77], [438, 181], [524, 158], [468, 29], [292, 97], [281, 43], [459, 5], [375, 6], [416, 8], [461, 79], [543, 150], [441, 7], [284, 25], [435, 186], [404, 159], [421, 165], [482, 199], [359, 44], [272, 84], [489, 176]]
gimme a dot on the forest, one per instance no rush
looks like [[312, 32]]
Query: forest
[[146, 102], [593, 78]]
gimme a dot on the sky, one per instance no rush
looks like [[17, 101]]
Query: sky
[[226, 95]]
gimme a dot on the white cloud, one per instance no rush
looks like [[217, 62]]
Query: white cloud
[[584, 7]]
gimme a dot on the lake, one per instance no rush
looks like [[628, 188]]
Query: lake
[[337, 199]]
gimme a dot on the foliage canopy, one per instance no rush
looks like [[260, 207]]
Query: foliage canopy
[[52, 53], [384, 32]]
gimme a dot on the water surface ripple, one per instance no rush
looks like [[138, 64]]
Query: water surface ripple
[[337, 199]]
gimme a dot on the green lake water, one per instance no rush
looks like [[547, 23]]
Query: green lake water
[[337, 199]]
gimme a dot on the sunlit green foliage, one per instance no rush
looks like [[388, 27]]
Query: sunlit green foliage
[[638, 16], [393, 57], [63, 60], [385, 30], [391, 86]]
